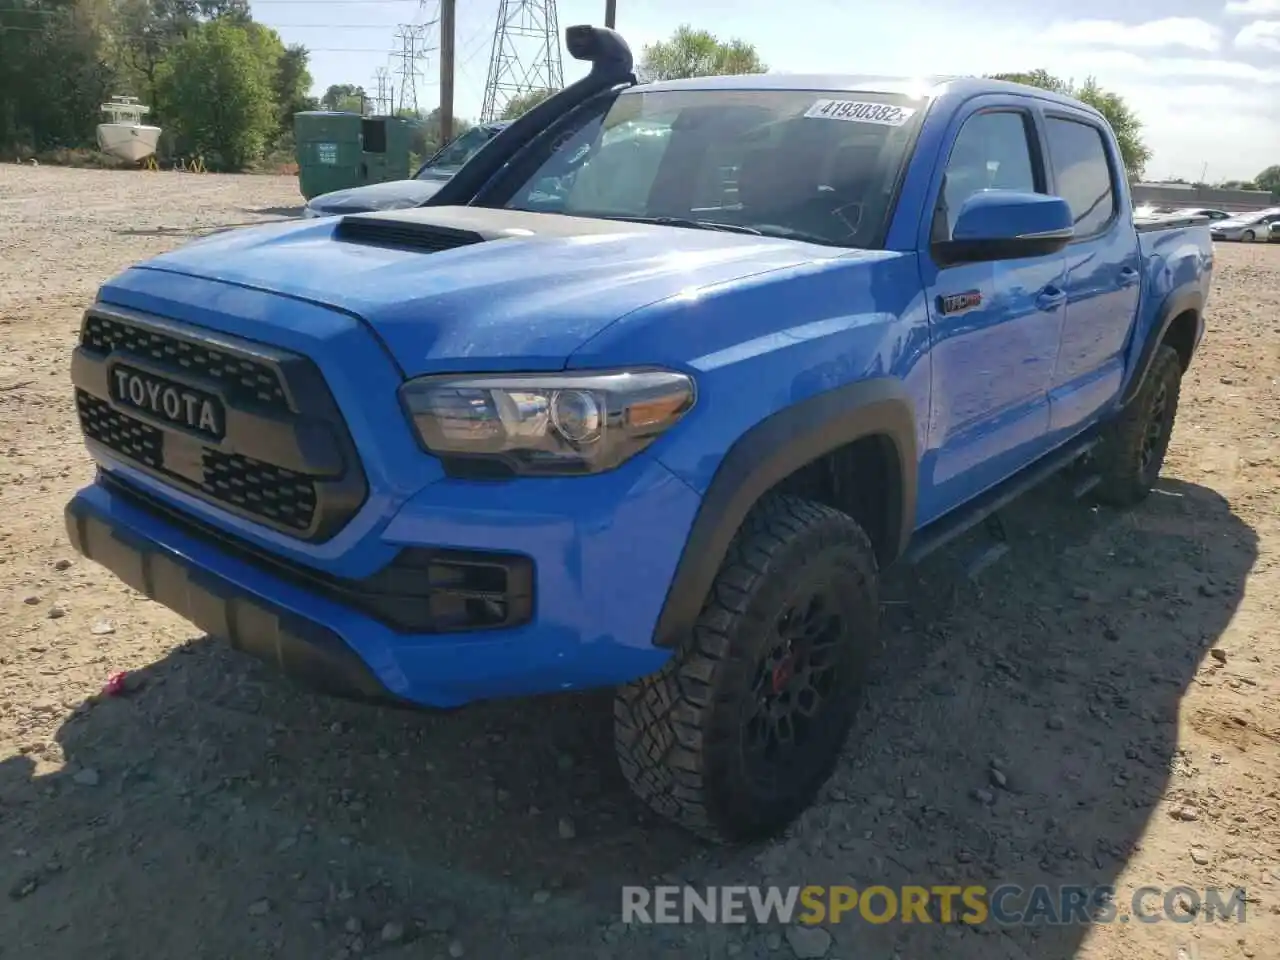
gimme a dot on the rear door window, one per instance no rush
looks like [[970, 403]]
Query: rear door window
[[1078, 154]]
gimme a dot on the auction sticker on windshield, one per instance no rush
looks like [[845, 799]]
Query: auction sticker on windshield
[[858, 111]]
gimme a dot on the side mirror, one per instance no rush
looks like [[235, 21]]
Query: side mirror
[[1006, 225]]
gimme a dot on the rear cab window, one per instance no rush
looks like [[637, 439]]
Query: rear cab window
[[1082, 173]]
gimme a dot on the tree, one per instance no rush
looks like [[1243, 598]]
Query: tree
[[524, 102], [292, 85], [1269, 179], [53, 73], [346, 97], [215, 88], [144, 33], [1124, 122], [61, 59], [698, 53]]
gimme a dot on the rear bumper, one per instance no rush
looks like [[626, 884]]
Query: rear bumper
[[600, 586]]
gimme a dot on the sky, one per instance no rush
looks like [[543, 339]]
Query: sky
[[1202, 75]]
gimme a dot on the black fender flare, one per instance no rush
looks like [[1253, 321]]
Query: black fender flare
[[1178, 302], [773, 450]]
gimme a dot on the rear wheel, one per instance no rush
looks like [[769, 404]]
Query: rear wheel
[[739, 730], [1134, 445]]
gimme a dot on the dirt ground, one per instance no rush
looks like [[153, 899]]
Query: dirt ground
[[1101, 707]]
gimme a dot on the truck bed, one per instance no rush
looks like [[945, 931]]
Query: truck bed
[[1152, 224]]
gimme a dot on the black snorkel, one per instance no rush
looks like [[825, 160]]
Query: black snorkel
[[611, 65]]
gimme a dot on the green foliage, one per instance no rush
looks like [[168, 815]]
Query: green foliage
[[216, 88], [344, 97], [61, 59], [292, 83], [1124, 122], [53, 74], [698, 53], [523, 103], [1269, 179]]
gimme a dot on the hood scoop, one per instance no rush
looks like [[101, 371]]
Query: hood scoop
[[401, 234]]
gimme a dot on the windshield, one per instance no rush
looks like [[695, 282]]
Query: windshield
[[457, 151], [808, 165]]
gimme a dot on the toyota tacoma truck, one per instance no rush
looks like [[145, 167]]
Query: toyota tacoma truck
[[650, 412]]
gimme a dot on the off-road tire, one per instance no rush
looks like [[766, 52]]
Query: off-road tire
[[681, 733], [1134, 445]]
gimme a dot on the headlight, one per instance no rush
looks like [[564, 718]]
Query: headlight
[[565, 423]]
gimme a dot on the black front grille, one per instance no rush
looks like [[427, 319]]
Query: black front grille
[[242, 379], [137, 441], [284, 457], [423, 590], [262, 490]]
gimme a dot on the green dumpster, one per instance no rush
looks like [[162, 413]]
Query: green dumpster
[[329, 148], [386, 149], [337, 151]]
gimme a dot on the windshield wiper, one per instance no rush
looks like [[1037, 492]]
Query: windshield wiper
[[689, 223], [788, 233]]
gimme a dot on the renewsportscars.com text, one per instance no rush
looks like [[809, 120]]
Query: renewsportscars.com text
[[1006, 904]]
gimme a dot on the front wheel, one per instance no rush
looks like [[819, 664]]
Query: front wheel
[[735, 735], [1248, 236], [1134, 445]]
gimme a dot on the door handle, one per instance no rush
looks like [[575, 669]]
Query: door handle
[[1051, 298], [1128, 277]]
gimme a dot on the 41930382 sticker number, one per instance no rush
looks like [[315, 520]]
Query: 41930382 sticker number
[[857, 111]]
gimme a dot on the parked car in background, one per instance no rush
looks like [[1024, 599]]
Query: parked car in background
[[1207, 212], [1275, 232], [1246, 227], [398, 194]]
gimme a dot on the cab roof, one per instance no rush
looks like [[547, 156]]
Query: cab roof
[[923, 87]]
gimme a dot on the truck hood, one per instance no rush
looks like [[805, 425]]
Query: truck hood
[[393, 195], [450, 288]]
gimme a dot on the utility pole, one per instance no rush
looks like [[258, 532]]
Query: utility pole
[[610, 13], [448, 18]]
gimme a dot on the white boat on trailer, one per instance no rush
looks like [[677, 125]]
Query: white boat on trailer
[[124, 135]]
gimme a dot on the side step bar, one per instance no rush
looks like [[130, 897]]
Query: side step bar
[[943, 531]]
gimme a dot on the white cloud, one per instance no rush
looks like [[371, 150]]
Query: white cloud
[[1252, 8], [1260, 35], [1116, 69], [1189, 32]]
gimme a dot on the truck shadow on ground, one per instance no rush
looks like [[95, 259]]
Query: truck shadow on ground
[[191, 232], [215, 785]]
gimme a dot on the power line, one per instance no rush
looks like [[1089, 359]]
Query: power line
[[140, 37]]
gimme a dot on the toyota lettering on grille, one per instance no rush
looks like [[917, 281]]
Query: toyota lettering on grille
[[167, 401]]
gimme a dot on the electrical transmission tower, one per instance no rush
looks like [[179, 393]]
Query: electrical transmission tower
[[385, 97], [526, 54], [413, 50]]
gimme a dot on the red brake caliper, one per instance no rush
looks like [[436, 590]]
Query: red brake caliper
[[782, 672]]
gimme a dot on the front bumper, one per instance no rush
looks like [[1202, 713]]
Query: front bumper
[[603, 557]]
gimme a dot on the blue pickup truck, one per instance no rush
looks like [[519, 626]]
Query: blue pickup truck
[[647, 411]]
